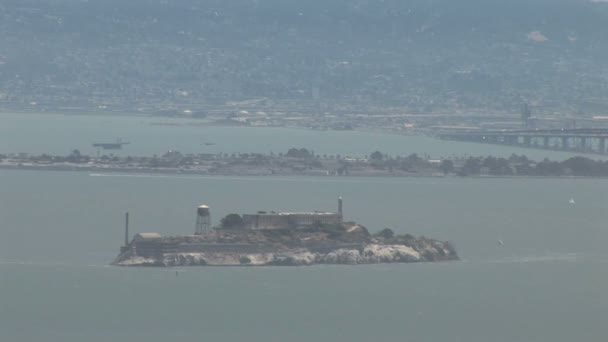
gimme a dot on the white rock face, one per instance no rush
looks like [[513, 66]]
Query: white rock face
[[371, 254], [390, 253], [260, 259], [303, 258], [137, 261], [183, 259], [343, 256]]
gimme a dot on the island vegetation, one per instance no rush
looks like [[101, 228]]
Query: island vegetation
[[301, 161]]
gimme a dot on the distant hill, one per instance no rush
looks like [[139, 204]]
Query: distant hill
[[418, 55]]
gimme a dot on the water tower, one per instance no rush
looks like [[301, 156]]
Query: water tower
[[203, 220]]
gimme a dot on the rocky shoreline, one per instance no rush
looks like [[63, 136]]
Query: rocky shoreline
[[371, 254]]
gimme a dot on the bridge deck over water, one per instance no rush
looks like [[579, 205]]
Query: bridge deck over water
[[587, 140]]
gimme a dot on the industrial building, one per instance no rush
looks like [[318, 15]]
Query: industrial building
[[152, 245], [274, 220], [283, 220], [289, 220]]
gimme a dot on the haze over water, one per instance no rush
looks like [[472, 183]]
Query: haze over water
[[59, 230]]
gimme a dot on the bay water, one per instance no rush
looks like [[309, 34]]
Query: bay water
[[534, 266], [60, 134]]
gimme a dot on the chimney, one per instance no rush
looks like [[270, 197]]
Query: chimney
[[126, 229]]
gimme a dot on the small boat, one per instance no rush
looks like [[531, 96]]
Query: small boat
[[571, 201]]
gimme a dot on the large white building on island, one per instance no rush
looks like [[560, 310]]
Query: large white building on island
[[293, 220], [274, 220]]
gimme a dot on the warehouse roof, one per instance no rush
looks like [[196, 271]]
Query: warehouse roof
[[147, 236]]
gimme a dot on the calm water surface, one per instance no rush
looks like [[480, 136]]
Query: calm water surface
[[59, 230], [547, 283], [60, 134]]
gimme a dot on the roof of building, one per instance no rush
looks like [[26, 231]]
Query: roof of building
[[147, 236], [310, 213]]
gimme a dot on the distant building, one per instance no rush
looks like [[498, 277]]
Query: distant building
[[289, 220], [148, 245]]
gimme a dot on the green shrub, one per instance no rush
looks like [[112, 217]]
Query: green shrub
[[232, 221]]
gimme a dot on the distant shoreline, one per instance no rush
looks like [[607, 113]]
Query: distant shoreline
[[176, 172]]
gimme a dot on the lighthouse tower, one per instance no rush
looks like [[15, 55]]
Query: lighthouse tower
[[203, 220]]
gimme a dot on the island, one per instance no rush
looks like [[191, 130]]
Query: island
[[305, 162], [279, 239]]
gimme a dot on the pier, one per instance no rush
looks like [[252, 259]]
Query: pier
[[584, 140]]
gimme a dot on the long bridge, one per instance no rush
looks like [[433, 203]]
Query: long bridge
[[584, 140]]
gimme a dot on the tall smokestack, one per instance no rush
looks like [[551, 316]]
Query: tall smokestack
[[340, 206], [126, 228]]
